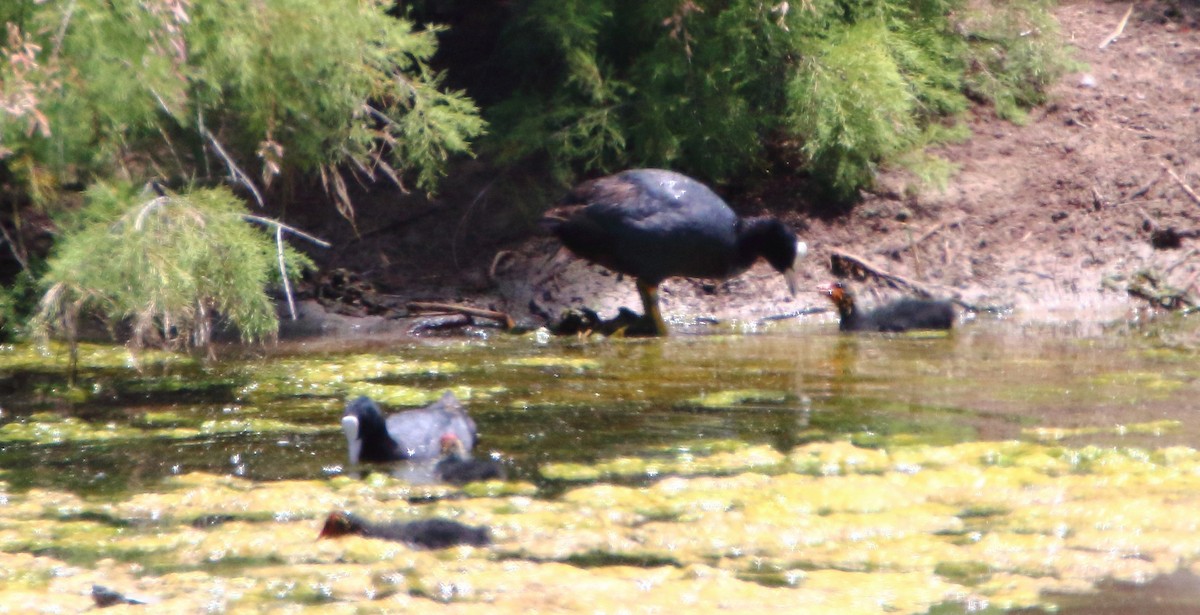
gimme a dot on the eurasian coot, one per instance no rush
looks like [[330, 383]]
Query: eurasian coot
[[901, 315], [425, 533], [457, 467], [414, 434], [654, 224]]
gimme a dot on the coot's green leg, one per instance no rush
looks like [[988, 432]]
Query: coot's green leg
[[649, 294]]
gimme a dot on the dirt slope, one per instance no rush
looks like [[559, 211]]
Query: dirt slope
[[1037, 218]]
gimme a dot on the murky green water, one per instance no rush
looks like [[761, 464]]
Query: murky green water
[[1000, 467]]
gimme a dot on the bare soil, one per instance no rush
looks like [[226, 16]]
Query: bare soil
[[1053, 218]]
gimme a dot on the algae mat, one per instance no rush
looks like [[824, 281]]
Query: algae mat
[[790, 471]]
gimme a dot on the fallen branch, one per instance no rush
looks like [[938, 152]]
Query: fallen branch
[[878, 272], [1144, 189], [426, 306], [897, 280], [1044, 276], [1120, 28], [1186, 188]]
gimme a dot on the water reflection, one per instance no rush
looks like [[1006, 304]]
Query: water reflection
[[587, 400]]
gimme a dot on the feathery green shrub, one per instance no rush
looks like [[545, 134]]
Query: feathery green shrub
[[835, 88], [171, 267]]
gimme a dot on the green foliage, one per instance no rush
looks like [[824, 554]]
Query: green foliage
[[853, 104], [173, 267], [1014, 55], [836, 88], [18, 301], [176, 90]]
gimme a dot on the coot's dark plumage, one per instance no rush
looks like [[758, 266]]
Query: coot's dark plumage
[[105, 597], [902, 315], [414, 434], [425, 533], [457, 467], [654, 224]]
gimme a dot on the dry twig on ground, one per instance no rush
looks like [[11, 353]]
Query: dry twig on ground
[[452, 308], [1120, 28], [1182, 184], [897, 280]]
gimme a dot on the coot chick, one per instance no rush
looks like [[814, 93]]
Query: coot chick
[[425, 533], [901, 315], [414, 434], [654, 224], [104, 597], [457, 467]]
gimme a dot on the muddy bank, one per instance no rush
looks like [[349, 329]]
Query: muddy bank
[[1053, 218]]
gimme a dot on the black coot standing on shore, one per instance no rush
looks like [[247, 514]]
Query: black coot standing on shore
[[413, 434], [901, 315], [654, 224], [425, 533]]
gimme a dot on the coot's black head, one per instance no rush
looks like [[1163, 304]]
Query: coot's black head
[[366, 431], [776, 243], [341, 523]]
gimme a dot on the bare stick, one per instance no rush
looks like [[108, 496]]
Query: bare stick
[[154, 203], [293, 230], [287, 286], [462, 309], [1144, 189], [62, 29], [14, 248], [1044, 276], [235, 172], [1120, 28], [1186, 188]]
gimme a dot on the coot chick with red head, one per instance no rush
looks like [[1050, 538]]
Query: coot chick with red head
[[457, 467], [414, 434], [425, 533], [901, 315], [654, 224]]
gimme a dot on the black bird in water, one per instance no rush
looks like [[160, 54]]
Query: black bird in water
[[901, 315], [413, 434], [457, 467], [105, 597], [425, 533], [653, 224]]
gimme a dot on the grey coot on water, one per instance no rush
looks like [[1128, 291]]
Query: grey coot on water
[[413, 434], [901, 315], [654, 224]]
